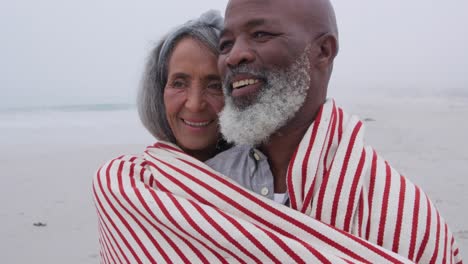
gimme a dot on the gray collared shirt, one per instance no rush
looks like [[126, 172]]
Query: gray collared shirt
[[247, 166]]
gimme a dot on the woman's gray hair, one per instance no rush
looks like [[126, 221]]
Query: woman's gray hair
[[150, 99]]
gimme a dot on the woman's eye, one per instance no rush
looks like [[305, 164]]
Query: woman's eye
[[178, 84], [215, 86]]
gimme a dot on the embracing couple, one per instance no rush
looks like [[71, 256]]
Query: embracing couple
[[253, 164]]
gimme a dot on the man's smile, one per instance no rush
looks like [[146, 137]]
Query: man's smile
[[243, 83]]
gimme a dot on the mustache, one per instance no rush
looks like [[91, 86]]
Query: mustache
[[242, 69]]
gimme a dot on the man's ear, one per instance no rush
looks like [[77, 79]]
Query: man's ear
[[327, 49]]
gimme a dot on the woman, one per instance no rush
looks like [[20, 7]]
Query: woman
[[181, 92], [178, 102]]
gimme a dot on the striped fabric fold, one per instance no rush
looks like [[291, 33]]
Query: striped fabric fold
[[348, 205]]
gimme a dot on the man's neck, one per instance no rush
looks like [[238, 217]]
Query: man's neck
[[280, 148]]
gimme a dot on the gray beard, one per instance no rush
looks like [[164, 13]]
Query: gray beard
[[254, 121]]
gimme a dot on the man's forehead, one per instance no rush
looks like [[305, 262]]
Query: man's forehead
[[242, 9], [246, 24], [251, 22], [251, 13], [243, 5], [234, 4]]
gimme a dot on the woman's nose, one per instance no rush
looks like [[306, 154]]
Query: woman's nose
[[195, 99]]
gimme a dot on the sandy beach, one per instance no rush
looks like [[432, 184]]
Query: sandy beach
[[48, 216]]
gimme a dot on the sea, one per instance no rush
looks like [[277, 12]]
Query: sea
[[118, 123], [86, 124]]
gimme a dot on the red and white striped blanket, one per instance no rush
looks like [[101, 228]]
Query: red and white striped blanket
[[347, 206]]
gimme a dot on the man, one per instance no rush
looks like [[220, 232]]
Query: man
[[346, 205], [277, 59]]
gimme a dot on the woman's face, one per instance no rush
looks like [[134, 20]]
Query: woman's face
[[193, 97]]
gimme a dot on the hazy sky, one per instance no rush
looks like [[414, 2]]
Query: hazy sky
[[72, 52]]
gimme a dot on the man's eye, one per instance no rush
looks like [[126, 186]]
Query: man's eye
[[261, 34], [225, 46]]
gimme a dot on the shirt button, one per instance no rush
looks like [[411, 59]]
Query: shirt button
[[256, 156], [264, 191]]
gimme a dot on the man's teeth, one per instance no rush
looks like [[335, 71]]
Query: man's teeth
[[195, 124], [241, 83]]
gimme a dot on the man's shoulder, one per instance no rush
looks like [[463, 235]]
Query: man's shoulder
[[234, 152], [235, 158]]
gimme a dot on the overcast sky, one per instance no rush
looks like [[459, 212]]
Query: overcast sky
[[73, 52]]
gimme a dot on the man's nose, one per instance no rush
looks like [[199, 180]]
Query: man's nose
[[240, 53], [195, 101]]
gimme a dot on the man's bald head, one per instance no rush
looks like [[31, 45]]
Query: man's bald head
[[313, 15], [319, 13]]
